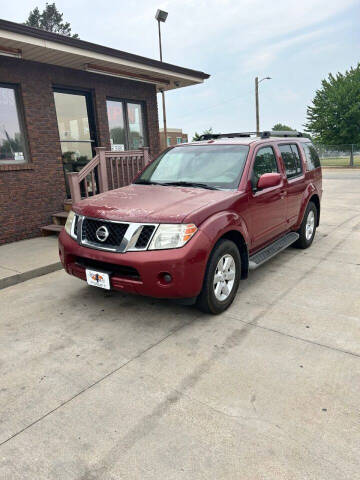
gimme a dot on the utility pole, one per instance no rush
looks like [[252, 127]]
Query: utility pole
[[257, 82], [257, 105], [161, 17]]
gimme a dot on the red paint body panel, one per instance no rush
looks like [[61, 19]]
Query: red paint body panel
[[260, 216], [154, 204]]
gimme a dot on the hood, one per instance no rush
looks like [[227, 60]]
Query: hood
[[155, 204]]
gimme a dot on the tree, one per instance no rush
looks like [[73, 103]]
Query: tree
[[279, 127], [334, 116], [197, 136], [50, 19]]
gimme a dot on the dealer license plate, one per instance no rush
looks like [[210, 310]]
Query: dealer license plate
[[98, 279]]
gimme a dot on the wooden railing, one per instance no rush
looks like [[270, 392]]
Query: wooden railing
[[106, 171]]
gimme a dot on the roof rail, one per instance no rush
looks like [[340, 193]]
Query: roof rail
[[214, 136], [281, 133], [265, 134]]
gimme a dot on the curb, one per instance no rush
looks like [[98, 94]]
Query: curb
[[24, 276]]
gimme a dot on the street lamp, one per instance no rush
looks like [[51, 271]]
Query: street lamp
[[257, 82], [161, 16]]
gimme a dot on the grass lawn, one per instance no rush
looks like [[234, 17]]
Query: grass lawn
[[339, 161]]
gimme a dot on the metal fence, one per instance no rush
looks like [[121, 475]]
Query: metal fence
[[339, 155]]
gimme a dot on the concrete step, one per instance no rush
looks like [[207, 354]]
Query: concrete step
[[60, 218], [51, 229]]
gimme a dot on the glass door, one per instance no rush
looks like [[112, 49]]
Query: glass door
[[75, 129]]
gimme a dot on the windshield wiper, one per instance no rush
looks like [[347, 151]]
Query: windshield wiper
[[190, 184], [147, 182]]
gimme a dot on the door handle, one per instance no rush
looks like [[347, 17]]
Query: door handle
[[283, 194]]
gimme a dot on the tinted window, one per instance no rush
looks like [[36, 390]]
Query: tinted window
[[291, 158], [218, 166], [265, 162], [12, 140], [312, 157]]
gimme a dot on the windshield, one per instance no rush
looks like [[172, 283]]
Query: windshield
[[206, 166]]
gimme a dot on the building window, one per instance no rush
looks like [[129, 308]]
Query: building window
[[12, 133], [126, 124], [168, 141], [178, 140]]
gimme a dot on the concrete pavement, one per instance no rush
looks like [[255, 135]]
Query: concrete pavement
[[98, 385], [21, 261]]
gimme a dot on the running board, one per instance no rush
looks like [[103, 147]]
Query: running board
[[271, 250]]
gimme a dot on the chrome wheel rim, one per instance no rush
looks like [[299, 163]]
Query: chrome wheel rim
[[224, 277], [310, 225]]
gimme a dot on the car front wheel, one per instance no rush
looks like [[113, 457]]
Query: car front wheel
[[222, 278]]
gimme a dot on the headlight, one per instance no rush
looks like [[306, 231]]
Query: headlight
[[172, 236], [70, 223]]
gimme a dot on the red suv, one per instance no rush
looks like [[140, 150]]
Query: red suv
[[198, 218]]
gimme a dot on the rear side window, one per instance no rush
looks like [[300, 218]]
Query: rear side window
[[311, 155], [291, 158], [265, 162]]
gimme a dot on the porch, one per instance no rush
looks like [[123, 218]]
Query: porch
[[108, 170]]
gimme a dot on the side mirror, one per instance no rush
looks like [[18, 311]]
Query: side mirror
[[269, 180]]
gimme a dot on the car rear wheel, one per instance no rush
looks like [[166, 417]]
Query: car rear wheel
[[308, 227], [222, 278]]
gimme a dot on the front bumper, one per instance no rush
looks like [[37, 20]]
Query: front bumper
[[186, 266]]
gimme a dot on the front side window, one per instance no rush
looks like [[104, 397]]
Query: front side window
[[214, 166], [265, 162], [311, 155], [126, 125], [12, 136], [291, 158]]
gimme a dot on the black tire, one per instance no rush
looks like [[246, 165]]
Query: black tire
[[304, 241], [207, 301]]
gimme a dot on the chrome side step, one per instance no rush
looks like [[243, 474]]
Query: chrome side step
[[271, 250]]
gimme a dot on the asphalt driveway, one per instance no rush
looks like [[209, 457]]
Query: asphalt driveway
[[111, 386]]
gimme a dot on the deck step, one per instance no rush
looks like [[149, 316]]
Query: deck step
[[67, 205], [271, 250], [51, 229], [60, 218]]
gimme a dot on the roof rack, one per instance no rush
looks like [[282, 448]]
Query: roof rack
[[281, 133], [265, 134]]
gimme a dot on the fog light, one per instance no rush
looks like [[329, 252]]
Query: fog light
[[167, 277]]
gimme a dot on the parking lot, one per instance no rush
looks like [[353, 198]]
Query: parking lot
[[98, 385]]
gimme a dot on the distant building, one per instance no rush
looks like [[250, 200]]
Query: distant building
[[174, 137]]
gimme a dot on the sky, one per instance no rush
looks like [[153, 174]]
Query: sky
[[295, 43]]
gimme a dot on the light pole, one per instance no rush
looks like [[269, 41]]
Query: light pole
[[161, 16], [257, 82]]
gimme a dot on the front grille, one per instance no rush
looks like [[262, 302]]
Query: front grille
[[145, 236], [116, 232], [114, 269]]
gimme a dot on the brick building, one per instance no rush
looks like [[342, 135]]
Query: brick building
[[174, 137], [60, 98]]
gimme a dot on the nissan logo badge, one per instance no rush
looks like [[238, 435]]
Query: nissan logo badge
[[102, 233]]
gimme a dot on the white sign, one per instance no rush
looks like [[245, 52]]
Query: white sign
[[117, 147], [19, 155]]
